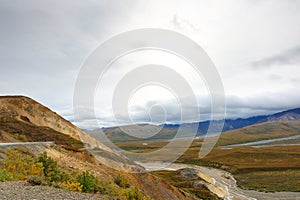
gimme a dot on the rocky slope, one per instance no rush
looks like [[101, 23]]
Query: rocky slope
[[30, 112], [23, 119]]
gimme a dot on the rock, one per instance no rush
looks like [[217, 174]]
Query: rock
[[189, 173]]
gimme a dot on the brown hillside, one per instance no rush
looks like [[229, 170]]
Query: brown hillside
[[28, 111], [25, 120]]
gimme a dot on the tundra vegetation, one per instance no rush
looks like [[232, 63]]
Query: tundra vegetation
[[268, 169], [43, 170]]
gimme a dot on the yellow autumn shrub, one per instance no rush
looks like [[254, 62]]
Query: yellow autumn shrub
[[21, 166], [73, 186]]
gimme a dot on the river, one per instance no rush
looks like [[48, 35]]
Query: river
[[225, 182]]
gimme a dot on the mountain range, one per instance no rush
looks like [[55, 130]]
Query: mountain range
[[232, 124], [168, 131]]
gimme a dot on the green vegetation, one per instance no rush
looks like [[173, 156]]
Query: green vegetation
[[88, 182], [133, 194], [116, 135], [73, 186], [264, 169], [44, 170], [20, 166], [121, 181], [258, 132], [194, 186], [288, 180], [51, 170], [35, 180], [254, 168], [6, 176]]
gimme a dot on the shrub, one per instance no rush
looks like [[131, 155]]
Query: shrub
[[6, 176], [73, 186], [110, 189], [133, 194], [21, 165], [88, 182], [51, 170], [121, 181], [35, 180], [22, 138], [44, 170], [55, 185]]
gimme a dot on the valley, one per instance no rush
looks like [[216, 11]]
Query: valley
[[150, 100], [259, 161], [264, 159], [221, 183]]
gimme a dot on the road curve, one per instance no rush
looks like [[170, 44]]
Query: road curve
[[4, 144]]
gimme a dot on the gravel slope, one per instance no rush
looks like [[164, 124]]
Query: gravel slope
[[24, 191]]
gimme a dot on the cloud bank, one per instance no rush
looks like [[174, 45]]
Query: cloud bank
[[254, 44]]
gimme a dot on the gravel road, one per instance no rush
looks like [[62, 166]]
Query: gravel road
[[24, 191]]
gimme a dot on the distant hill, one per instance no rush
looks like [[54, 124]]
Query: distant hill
[[115, 134], [169, 130], [261, 131]]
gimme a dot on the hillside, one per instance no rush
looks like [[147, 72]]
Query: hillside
[[25, 120], [115, 134], [258, 132], [30, 114], [262, 157]]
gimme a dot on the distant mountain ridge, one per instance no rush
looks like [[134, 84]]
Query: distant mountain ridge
[[232, 124], [169, 130], [288, 115]]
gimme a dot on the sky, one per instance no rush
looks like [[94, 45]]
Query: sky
[[254, 44]]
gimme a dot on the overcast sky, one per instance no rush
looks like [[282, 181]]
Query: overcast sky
[[254, 44]]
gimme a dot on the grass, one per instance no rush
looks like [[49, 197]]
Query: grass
[[175, 178], [288, 180], [244, 158], [257, 132], [265, 169], [262, 169], [117, 136]]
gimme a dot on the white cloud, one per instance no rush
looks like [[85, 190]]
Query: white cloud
[[43, 45]]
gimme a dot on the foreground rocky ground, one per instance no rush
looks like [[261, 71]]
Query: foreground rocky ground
[[24, 191]]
